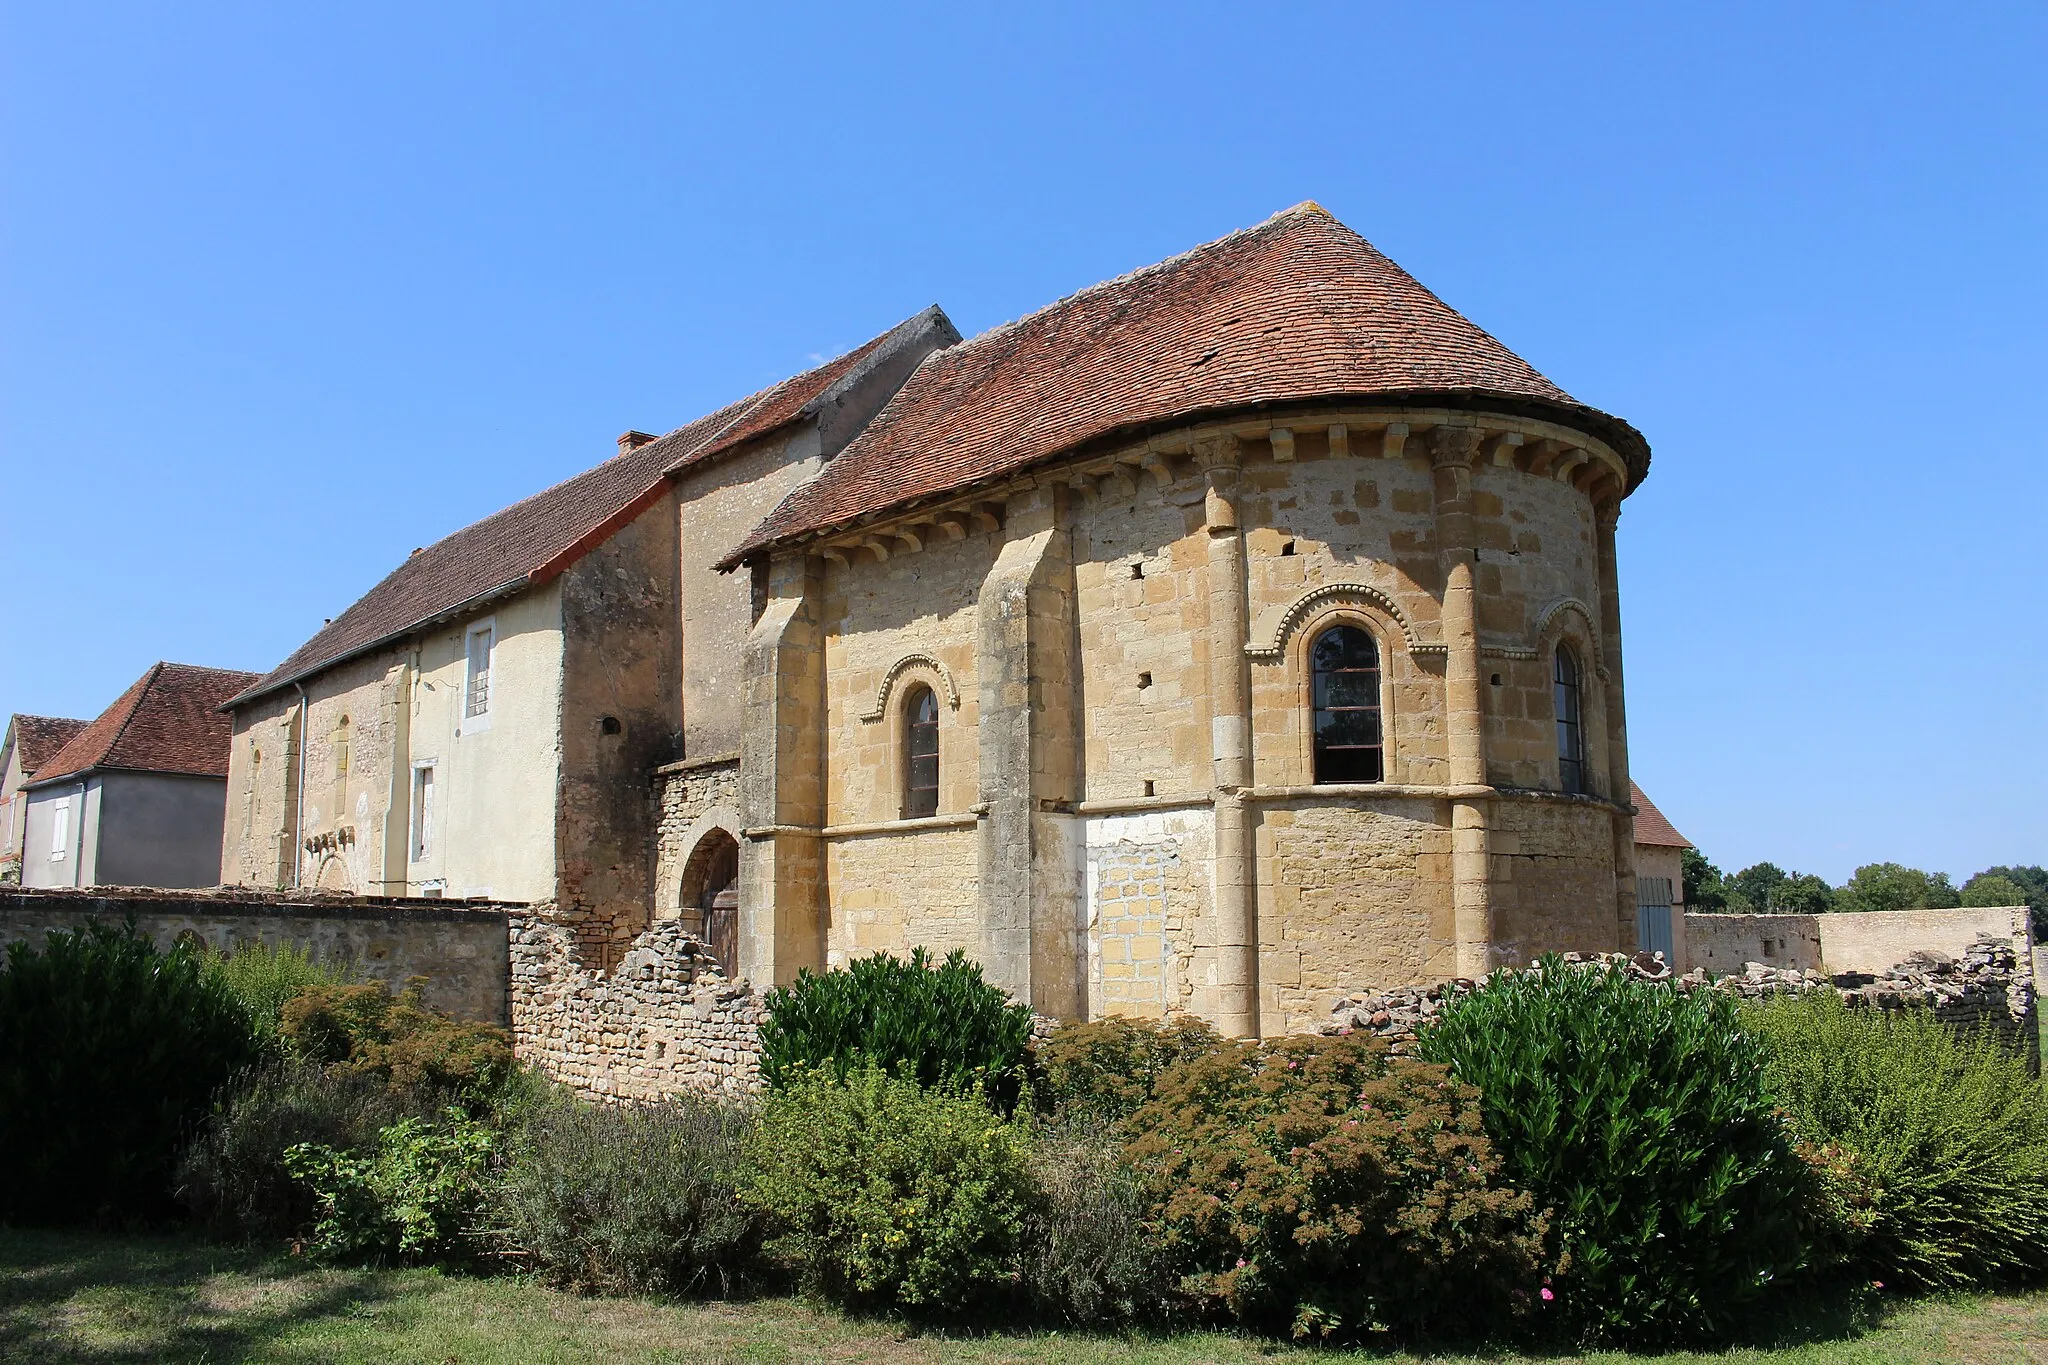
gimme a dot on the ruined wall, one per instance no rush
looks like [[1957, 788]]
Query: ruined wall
[[1859, 942], [664, 1021], [694, 797], [459, 949], [620, 695]]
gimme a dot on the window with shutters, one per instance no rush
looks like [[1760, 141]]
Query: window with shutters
[[476, 687]]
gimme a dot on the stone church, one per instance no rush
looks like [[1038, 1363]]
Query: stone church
[[1234, 632]]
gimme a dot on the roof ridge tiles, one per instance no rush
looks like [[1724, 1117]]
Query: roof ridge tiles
[[167, 721]]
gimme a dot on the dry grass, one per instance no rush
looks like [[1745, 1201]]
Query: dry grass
[[85, 1298]]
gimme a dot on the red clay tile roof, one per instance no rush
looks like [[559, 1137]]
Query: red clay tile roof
[[1651, 826], [169, 722], [1298, 308], [38, 738], [536, 539]]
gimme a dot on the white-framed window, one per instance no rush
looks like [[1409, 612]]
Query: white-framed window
[[60, 829], [422, 810], [479, 647]]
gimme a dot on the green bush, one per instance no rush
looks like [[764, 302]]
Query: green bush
[[1949, 1134], [417, 1197], [884, 1193], [367, 1029], [1319, 1186], [631, 1200], [1088, 1257], [109, 1053], [934, 1024], [233, 1175], [263, 978], [1642, 1116], [1101, 1072]]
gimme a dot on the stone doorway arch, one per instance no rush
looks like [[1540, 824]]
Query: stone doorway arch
[[710, 897]]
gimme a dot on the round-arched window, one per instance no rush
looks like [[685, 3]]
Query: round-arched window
[[1571, 739], [1345, 667], [920, 753]]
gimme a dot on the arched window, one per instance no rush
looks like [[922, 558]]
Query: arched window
[[920, 753], [1346, 669], [1571, 739]]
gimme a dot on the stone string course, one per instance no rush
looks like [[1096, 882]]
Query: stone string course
[[1990, 985], [664, 1021]]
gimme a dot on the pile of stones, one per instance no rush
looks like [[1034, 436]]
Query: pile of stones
[[1989, 985]]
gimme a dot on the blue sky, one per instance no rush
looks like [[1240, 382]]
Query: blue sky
[[286, 290]]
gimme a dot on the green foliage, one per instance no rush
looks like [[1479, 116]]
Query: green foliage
[[633, 1200], [1101, 1072], [1088, 1257], [1317, 1185], [1767, 888], [1949, 1133], [368, 1030], [1988, 888], [264, 977], [885, 1193], [939, 1025], [1706, 891], [233, 1174], [1642, 1117], [2031, 880], [417, 1197], [1890, 886], [109, 1053]]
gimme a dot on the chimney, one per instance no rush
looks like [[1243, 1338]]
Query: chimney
[[633, 440]]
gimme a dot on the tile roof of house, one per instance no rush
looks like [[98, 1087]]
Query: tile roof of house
[[537, 538], [1651, 826], [1297, 308], [168, 722], [38, 738]]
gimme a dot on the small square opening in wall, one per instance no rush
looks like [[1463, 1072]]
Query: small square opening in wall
[[1148, 788], [1496, 680], [1144, 681], [1286, 549], [1137, 568], [609, 725]]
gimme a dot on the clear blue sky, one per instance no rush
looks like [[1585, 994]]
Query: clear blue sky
[[286, 290]]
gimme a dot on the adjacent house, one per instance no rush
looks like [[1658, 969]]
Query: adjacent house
[[486, 720], [136, 797], [1660, 880], [30, 742]]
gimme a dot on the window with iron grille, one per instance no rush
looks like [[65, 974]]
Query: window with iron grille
[[1571, 740], [920, 754], [1345, 685]]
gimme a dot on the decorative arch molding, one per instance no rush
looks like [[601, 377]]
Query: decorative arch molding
[[1277, 625], [1549, 622], [907, 664]]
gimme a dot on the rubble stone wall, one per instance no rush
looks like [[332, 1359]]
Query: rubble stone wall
[[459, 948], [663, 1021], [1989, 984]]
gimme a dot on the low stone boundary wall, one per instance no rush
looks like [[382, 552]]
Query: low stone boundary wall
[[1989, 985], [1858, 941], [665, 1020], [459, 947]]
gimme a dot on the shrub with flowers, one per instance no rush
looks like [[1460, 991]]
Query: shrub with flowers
[[884, 1193], [1322, 1187]]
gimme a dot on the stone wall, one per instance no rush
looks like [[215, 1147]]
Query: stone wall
[[665, 1020], [693, 799], [458, 947], [1861, 942], [1988, 984]]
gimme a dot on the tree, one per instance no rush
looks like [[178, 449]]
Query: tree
[[1705, 893], [1803, 894], [2033, 885], [1891, 886]]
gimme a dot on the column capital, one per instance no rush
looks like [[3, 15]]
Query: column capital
[[1222, 451], [1453, 446]]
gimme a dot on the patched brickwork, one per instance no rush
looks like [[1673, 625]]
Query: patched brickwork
[[664, 1021]]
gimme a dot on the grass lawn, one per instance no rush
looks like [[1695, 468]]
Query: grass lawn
[[78, 1297]]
